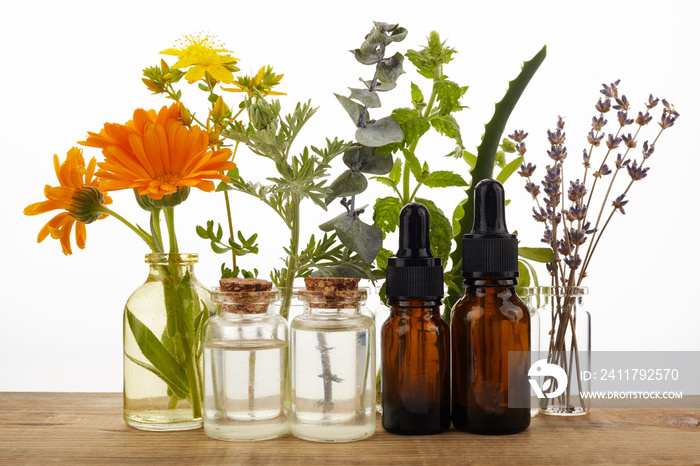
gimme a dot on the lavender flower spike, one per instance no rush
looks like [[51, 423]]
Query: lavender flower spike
[[619, 203]]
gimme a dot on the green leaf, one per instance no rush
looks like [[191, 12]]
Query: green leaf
[[395, 173], [386, 213], [508, 170], [412, 123], [417, 98], [440, 230], [382, 257], [223, 186], [524, 278], [364, 239], [151, 347], [368, 99], [430, 58], [543, 255], [469, 158], [386, 181], [389, 69], [443, 179], [379, 133], [349, 183], [352, 108], [413, 164], [447, 126], [448, 95]]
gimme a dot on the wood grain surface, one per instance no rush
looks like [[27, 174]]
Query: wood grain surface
[[87, 428]]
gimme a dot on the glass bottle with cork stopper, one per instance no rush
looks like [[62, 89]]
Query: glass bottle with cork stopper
[[490, 391], [333, 363], [245, 357], [415, 338]]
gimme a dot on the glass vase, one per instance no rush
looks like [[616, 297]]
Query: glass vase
[[565, 341], [530, 296], [163, 322], [245, 359]]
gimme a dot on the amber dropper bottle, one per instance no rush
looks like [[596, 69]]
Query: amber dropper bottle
[[415, 338], [487, 323]]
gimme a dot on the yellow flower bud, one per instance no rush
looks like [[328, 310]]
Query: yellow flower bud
[[220, 109], [164, 66], [185, 116]]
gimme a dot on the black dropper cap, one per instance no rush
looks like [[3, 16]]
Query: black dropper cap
[[414, 273], [489, 251]]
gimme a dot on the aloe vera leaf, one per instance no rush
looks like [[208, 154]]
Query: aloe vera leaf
[[486, 153], [151, 347]]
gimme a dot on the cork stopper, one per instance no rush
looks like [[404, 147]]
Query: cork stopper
[[332, 293], [245, 295]]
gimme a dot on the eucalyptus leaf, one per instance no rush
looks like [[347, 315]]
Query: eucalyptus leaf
[[389, 69], [352, 108], [386, 213], [543, 255], [349, 183], [172, 373], [379, 86], [368, 160], [379, 133], [365, 58], [330, 224], [364, 239], [367, 98]]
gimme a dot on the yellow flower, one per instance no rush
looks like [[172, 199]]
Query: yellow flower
[[202, 54], [155, 154], [262, 83], [78, 194]]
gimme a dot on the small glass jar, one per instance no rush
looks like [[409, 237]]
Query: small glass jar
[[333, 371], [565, 340], [245, 357]]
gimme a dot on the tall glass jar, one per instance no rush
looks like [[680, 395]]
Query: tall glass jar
[[245, 356], [565, 340], [530, 296], [163, 320], [333, 368]]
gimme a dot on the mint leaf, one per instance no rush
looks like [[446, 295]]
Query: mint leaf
[[430, 58], [413, 164], [448, 95], [440, 230], [447, 126], [386, 213], [443, 179]]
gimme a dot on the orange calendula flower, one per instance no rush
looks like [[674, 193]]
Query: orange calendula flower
[[78, 195], [202, 54], [155, 154], [262, 82]]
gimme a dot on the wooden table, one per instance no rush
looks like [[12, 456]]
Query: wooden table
[[87, 428]]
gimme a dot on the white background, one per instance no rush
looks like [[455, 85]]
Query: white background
[[67, 67]]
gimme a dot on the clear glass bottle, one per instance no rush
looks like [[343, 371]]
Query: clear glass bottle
[[565, 340], [333, 371], [245, 357], [162, 348]]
